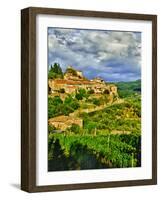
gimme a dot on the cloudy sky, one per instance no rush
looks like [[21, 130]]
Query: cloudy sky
[[111, 55]]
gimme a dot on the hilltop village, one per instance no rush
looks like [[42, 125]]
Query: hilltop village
[[70, 84], [74, 80]]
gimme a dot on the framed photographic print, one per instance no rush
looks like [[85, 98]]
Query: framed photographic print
[[88, 99]]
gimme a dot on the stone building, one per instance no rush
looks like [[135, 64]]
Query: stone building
[[74, 80], [63, 122]]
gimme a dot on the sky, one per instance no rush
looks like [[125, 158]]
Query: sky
[[111, 55]]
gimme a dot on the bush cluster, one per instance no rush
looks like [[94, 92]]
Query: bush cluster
[[57, 107]]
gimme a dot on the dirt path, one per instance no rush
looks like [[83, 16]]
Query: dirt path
[[79, 111]]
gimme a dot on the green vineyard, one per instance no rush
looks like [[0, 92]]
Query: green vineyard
[[86, 152]]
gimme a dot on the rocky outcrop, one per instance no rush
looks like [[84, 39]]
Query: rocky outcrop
[[72, 74]]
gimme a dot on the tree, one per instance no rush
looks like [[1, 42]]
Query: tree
[[96, 101], [54, 106], [55, 101], [71, 102], [81, 93], [51, 128], [55, 72], [57, 150], [90, 126], [75, 128]]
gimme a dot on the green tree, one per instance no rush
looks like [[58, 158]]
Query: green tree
[[55, 101], [51, 128], [81, 93], [55, 72], [55, 106], [71, 102], [96, 101], [75, 129]]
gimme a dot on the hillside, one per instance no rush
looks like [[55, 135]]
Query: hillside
[[115, 119], [92, 124], [126, 89]]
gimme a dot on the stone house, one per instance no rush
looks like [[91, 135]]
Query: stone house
[[71, 86], [74, 80], [63, 122]]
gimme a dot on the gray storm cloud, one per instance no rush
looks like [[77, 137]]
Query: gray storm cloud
[[113, 55]]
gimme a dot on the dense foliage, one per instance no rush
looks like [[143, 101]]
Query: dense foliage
[[57, 107]]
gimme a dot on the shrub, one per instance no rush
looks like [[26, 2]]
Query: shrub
[[55, 101], [80, 94], [51, 128], [96, 102], [71, 102], [75, 128]]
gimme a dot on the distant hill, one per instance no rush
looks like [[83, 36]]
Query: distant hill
[[126, 89]]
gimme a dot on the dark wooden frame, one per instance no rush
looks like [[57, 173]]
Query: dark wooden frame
[[28, 98]]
